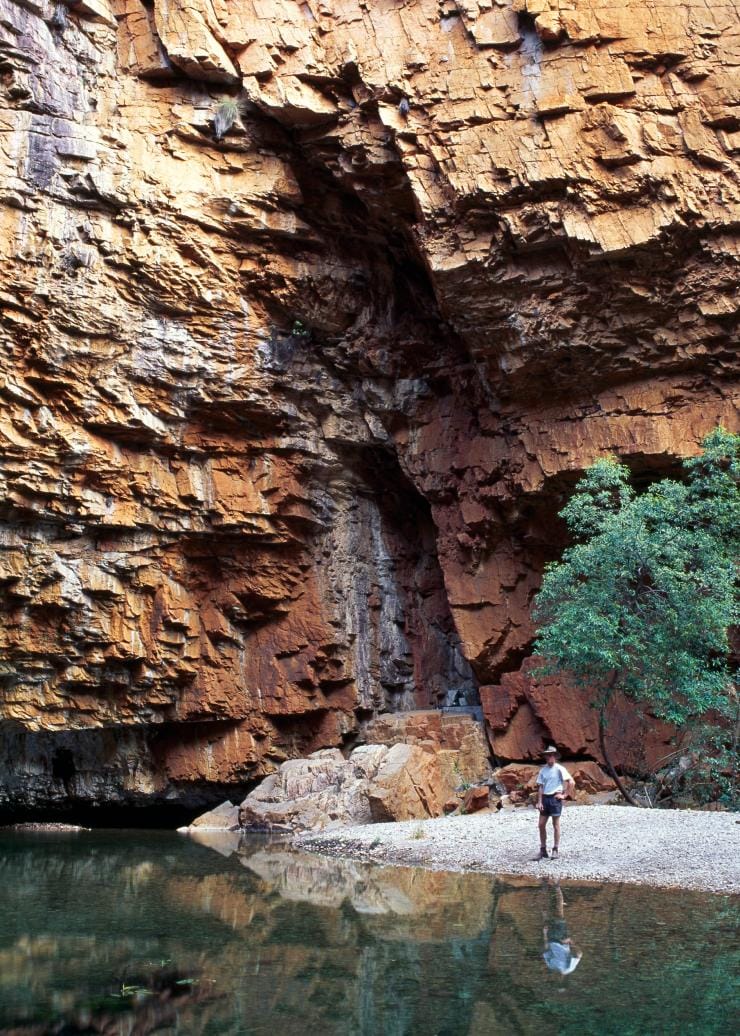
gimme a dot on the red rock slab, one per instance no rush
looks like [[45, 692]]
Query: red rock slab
[[524, 712]]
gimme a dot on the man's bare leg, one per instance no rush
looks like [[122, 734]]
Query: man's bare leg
[[556, 831], [543, 834]]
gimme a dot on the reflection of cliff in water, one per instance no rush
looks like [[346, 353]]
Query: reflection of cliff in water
[[276, 940]]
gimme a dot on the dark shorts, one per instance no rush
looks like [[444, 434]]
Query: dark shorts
[[551, 807]]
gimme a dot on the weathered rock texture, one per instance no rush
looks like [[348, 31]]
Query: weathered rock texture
[[292, 391], [457, 740], [223, 818], [523, 713], [375, 783], [416, 765], [519, 781], [387, 780]]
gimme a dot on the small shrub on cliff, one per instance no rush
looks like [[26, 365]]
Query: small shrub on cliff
[[224, 117], [299, 330], [644, 600], [60, 18]]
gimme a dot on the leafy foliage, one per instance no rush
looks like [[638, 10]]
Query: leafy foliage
[[645, 598], [707, 769], [300, 330], [60, 18]]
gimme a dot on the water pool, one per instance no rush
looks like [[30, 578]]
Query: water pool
[[141, 932]]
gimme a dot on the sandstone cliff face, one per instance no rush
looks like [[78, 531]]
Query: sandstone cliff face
[[312, 314]]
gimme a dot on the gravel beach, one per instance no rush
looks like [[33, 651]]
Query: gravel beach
[[665, 848]]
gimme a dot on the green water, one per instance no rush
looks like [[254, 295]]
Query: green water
[[134, 933]]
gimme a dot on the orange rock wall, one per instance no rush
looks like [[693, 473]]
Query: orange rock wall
[[293, 390]]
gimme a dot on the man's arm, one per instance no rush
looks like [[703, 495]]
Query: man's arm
[[539, 793], [569, 785]]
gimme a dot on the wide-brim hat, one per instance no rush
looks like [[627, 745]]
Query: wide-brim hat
[[550, 750]]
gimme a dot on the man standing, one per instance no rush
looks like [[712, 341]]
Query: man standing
[[554, 784]]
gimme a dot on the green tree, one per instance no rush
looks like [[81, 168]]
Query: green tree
[[644, 599]]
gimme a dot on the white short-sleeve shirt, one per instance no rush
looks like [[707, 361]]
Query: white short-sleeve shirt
[[559, 957], [553, 778]]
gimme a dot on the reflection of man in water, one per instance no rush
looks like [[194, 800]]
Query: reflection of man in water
[[560, 954]]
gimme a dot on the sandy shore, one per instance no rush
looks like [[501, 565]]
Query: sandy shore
[[666, 848]]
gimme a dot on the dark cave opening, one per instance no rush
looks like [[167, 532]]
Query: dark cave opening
[[63, 765], [181, 806], [82, 777]]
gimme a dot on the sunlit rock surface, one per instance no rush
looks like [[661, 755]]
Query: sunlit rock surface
[[289, 405], [416, 765], [376, 783]]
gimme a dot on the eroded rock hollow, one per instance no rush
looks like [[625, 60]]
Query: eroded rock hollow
[[313, 312]]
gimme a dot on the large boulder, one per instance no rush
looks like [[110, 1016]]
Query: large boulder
[[415, 765], [519, 780], [524, 712], [376, 783], [408, 785], [458, 740], [590, 778], [223, 818], [477, 798], [308, 794]]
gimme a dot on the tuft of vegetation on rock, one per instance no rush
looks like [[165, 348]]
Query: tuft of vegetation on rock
[[60, 18], [224, 117], [300, 330], [645, 599]]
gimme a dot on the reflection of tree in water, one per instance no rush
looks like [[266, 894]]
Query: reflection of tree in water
[[282, 941]]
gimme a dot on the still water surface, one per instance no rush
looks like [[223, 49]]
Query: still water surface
[[140, 932]]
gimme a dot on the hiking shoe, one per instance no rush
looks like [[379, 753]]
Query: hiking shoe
[[555, 854], [543, 855]]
